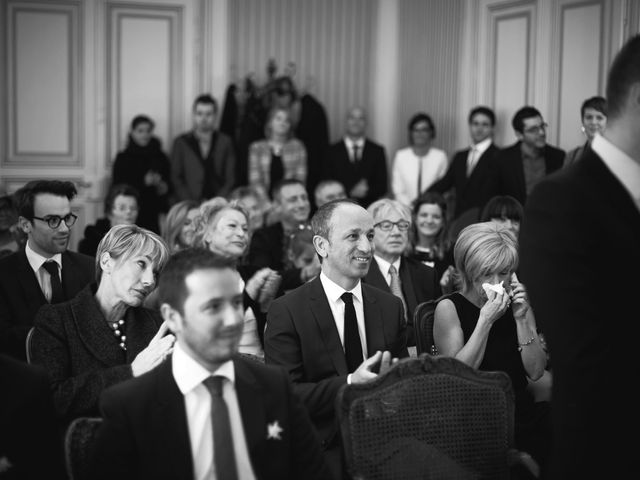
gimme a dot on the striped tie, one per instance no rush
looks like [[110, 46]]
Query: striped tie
[[396, 289]]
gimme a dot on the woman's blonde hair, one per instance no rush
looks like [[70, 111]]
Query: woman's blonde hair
[[207, 218], [125, 241], [483, 249], [173, 223]]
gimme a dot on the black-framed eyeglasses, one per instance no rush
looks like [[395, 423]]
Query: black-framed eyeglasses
[[387, 225], [54, 220], [538, 128]]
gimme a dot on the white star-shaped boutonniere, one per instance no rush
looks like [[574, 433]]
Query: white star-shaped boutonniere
[[274, 430]]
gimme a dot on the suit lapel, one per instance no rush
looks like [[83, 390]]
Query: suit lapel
[[408, 281], [376, 278], [319, 306], [71, 281], [28, 281], [372, 320], [170, 420], [252, 411], [518, 172]]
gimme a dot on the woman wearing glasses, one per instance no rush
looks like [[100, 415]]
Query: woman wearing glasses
[[103, 335], [418, 166], [392, 270]]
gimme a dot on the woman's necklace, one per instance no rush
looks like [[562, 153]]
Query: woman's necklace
[[118, 331]]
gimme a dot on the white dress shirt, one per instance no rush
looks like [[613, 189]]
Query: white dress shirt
[[384, 267], [36, 261], [623, 167], [333, 291], [189, 375]]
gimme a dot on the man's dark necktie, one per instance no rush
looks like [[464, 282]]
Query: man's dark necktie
[[352, 345], [57, 293], [224, 458], [356, 153]]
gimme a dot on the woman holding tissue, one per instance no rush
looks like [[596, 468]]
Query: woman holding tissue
[[490, 325]]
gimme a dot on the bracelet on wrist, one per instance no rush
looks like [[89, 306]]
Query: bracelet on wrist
[[525, 344]]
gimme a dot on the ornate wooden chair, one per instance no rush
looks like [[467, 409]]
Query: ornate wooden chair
[[78, 442]]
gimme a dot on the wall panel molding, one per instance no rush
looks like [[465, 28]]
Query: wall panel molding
[[43, 86], [144, 55]]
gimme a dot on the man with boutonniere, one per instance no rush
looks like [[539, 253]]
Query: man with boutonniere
[[207, 412]]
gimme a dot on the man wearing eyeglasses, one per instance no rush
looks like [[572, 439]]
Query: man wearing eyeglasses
[[392, 271], [521, 166], [44, 272]]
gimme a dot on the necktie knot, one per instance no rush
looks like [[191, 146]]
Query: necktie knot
[[214, 385], [347, 298], [393, 270], [51, 267]]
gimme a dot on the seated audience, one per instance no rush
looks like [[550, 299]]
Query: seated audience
[[120, 208], [177, 230], [144, 166], [44, 271], [418, 166], [280, 156], [430, 243], [326, 191], [470, 168], [335, 329], [206, 412], [496, 329], [504, 210], [103, 335], [203, 159], [391, 270], [223, 228], [269, 244], [593, 115], [530, 159], [30, 447], [357, 162]]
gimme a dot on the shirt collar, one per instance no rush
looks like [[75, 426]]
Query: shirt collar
[[623, 167], [384, 265], [189, 373], [36, 260], [349, 142], [335, 291], [482, 146]]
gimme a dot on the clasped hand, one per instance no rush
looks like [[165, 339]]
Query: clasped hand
[[160, 346]]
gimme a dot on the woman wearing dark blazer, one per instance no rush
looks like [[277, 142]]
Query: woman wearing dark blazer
[[103, 335]]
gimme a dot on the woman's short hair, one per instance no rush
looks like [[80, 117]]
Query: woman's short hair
[[125, 241], [483, 249], [115, 191], [597, 103], [272, 113], [208, 217], [381, 208], [173, 223], [504, 207], [418, 118]]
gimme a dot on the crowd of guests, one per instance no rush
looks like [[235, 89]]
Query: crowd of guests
[[200, 309]]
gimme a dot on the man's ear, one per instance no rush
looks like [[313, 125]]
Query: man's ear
[[519, 135], [25, 224], [172, 317], [321, 244]]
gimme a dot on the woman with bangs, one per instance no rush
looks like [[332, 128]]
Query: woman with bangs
[[495, 329], [104, 335], [222, 227]]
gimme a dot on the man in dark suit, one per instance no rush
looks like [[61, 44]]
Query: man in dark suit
[[357, 162], [203, 159], [469, 172], [410, 280], [25, 282], [269, 245], [519, 167], [579, 259], [335, 329], [206, 412], [30, 447]]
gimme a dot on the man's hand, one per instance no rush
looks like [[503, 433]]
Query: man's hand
[[373, 366]]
